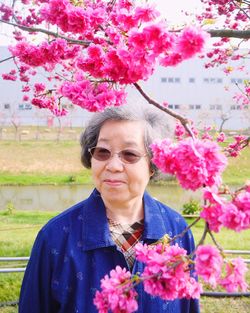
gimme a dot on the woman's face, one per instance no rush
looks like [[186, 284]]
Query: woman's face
[[119, 182]]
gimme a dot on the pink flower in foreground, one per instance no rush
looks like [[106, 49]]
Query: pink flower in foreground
[[235, 276], [194, 162], [211, 214], [209, 264], [117, 293], [191, 41], [167, 273], [233, 218], [234, 214]]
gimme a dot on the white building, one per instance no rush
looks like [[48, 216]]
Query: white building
[[203, 95]]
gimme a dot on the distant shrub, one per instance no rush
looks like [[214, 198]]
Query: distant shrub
[[191, 207]]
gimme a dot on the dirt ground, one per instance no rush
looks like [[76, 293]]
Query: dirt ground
[[25, 153]]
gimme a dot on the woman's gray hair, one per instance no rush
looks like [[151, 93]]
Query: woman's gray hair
[[154, 129]]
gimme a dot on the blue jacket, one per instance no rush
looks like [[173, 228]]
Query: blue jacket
[[74, 250]]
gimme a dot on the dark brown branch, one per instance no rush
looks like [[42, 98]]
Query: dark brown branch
[[242, 10], [1, 61], [230, 33], [48, 32], [183, 120], [202, 240], [215, 242], [185, 230]]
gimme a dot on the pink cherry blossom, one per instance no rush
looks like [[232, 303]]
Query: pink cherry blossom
[[167, 273], [234, 279], [6, 12], [191, 42], [10, 76], [93, 97], [39, 87], [221, 137], [25, 98], [211, 214], [194, 162], [117, 293], [208, 264]]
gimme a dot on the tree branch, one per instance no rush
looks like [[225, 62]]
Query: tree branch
[[230, 33], [184, 121], [1, 61], [48, 32]]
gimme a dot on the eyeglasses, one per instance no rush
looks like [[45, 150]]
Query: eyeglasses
[[129, 156]]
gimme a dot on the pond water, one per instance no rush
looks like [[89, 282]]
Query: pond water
[[59, 198]]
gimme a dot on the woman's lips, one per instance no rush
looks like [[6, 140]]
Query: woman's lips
[[113, 182]]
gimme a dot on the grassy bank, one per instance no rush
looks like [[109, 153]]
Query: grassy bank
[[19, 228], [50, 162]]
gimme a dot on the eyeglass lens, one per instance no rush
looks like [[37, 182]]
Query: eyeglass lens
[[127, 155]]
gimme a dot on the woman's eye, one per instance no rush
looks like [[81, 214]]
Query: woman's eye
[[103, 151]]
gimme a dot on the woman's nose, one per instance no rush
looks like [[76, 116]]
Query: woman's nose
[[114, 163]]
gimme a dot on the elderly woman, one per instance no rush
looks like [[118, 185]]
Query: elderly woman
[[76, 249]]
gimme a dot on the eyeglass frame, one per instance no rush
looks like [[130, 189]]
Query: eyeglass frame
[[118, 154]]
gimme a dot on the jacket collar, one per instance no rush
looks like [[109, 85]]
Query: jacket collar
[[96, 233]]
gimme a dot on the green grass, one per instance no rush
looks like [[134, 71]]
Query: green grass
[[27, 179], [49, 162], [18, 230]]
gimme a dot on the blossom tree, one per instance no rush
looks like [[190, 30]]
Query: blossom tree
[[90, 51]]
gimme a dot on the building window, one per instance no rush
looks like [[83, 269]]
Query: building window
[[212, 107], [6, 106], [171, 80], [24, 106], [218, 107], [174, 106], [194, 106], [191, 80], [236, 80], [212, 80]]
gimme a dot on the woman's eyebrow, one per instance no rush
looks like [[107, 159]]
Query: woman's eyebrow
[[127, 142]]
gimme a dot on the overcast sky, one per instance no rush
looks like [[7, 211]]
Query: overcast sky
[[172, 10]]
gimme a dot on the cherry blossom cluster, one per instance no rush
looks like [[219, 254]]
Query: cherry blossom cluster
[[181, 133], [112, 42], [195, 163], [166, 274], [233, 213], [92, 96], [239, 9], [209, 265], [117, 294], [234, 148], [243, 98], [47, 53]]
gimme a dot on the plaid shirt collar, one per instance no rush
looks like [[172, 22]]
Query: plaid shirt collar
[[96, 233], [126, 236]]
